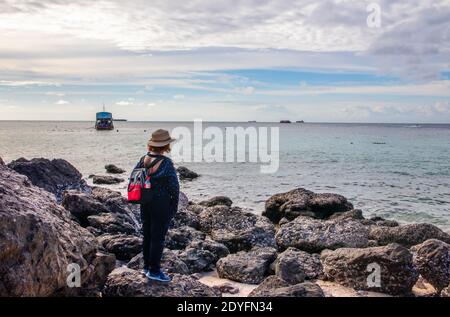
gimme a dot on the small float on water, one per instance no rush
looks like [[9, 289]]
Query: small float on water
[[104, 120]]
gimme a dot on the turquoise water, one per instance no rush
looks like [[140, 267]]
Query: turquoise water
[[399, 171]]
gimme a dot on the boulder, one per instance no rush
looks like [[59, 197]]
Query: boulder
[[1, 161], [180, 238], [313, 235], [357, 268], [185, 217], [81, 205], [302, 202], [236, 229], [197, 260], [218, 250], [113, 169], [122, 246], [183, 201], [227, 288], [407, 235], [379, 221], [274, 286], [432, 260], [103, 194], [54, 176], [106, 180], [247, 267], [216, 201], [186, 173], [111, 223], [170, 262], [294, 266], [446, 292], [126, 282], [38, 241]]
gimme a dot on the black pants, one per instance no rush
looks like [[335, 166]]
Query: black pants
[[155, 219]]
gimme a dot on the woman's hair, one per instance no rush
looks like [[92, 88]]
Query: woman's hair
[[159, 149]]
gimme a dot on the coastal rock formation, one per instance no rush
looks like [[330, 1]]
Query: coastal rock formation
[[38, 240], [180, 238], [218, 250], [236, 229], [124, 247], [446, 292], [185, 173], [185, 217], [247, 267], [274, 286], [106, 180], [111, 223], [407, 235], [197, 260], [170, 262], [302, 202], [113, 169], [294, 266], [124, 281], [432, 260], [1, 161], [357, 268], [81, 205], [313, 235], [216, 201], [54, 176]]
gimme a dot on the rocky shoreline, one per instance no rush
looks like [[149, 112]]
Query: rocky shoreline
[[302, 242]]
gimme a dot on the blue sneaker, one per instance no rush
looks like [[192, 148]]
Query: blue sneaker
[[145, 271], [161, 276]]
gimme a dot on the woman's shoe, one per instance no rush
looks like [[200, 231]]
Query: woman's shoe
[[145, 271], [161, 276]]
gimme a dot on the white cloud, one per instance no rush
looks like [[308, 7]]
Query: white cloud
[[178, 97], [124, 103], [62, 102]]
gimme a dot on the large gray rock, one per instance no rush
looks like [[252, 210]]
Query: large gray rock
[[111, 223], [313, 235], [247, 267], [38, 240], [236, 229], [274, 286], [113, 169], [218, 250], [170, 262], [432, 260], [186, 173], [54, 176], [127, 282], [180, 238], [217, 201], [185, 217], [81, 205], [124, 247], [356, 268], [294, 266], [197, 260], [106, 180], [302, 202], [407, 235]]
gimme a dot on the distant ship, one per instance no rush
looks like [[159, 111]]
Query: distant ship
[[300, 121], [104, 120], [285, 121]]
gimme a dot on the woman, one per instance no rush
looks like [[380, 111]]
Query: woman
[[157, 215]]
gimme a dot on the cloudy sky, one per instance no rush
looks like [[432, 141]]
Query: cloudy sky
[[226, 60]]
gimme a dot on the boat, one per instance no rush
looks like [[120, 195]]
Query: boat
[[104, 120], [285, 121], [300, 121]]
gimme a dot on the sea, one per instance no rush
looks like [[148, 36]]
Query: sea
[[395, 171]]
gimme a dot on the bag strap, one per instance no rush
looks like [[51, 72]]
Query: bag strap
[[154, 162]]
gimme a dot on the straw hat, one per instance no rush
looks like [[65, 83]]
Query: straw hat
[[160, 138]]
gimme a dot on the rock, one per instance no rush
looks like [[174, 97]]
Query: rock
[[122, 246], [446, 292], [383, 222], [82, 205], [356, 268], [218, 250], [355, 214], [274, 286], [38, 240], [180, 238], [216, 201], [197, 260], [236, 229], [113, 169], [1, 161], [127, 282], [302, 202], [183, 201], [106, 180], [170, 262], [407, 235], [186, 173], [247, 267], [185, 217], [104, 264], [111, 223], [103, 194], [432, 260], [313, 235], [54, 176], [226, 288], [294, 266]]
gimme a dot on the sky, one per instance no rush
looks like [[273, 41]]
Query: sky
[[226, 60]]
